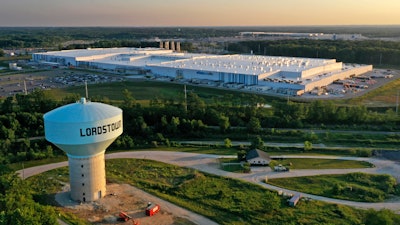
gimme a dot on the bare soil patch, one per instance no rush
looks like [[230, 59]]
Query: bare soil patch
[[120, 197]]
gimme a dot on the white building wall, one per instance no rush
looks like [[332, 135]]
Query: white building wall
[[163, 71], [96, 57], [200, 74], [321, 69], [259, 161], [265, 75], [338, 76]]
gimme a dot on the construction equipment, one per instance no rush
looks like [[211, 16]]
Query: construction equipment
[[123, 216], [152, 209]]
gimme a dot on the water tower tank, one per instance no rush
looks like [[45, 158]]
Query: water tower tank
[[84, 130]]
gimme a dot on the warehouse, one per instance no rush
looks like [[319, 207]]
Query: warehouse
[[253, 72]]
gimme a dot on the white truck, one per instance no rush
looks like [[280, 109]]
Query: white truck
[[280, 168]]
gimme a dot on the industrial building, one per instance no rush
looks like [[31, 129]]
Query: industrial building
[[286, 75]]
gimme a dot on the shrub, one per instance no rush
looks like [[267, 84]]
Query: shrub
[[246, 167], [363, 153]]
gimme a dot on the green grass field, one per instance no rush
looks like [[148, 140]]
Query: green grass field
[[355, 186], [294, 163], [144, 91], [323, 164], [382, 96], [224, 200]]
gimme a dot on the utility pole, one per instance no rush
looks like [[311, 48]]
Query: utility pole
[[86, 90], [397, 103], [184, 90], [25, 91]]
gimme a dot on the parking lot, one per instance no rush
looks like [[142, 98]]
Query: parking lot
[[355, 86], [60, 78], [27, 82]]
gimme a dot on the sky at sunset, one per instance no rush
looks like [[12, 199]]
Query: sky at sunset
[[198, 13]]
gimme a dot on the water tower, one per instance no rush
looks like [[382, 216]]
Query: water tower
[[84, 130]]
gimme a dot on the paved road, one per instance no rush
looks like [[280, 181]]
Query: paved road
[[208, 163]]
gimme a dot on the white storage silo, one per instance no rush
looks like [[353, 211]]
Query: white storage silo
[[84, 130]]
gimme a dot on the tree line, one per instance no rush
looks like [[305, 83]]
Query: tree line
[[374, 52], [17, 204], [163, 120]]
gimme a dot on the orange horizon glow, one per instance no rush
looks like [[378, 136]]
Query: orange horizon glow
[[198, 13]]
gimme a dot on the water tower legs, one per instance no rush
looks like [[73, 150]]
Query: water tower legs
[[87, 177]]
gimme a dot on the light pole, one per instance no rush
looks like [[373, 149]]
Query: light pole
[[397, 103]]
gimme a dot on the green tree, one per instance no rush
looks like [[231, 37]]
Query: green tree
[[129, 100], [173, 125], [254, 125], [223, 123], [70, 98], [7, 106], [307, 146], [381, 217], [241, 154], [196, 106], [228, 143], [246, 167], [257, 142], [311, 136], [17, 204], [272, 164], [49, 151]]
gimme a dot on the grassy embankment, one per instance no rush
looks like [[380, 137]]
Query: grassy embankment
[[384, 96], [223, 200], [232, 164], [354, 186], [144, 91]]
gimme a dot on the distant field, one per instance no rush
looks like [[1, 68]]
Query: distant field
[[324, 164], [353, 186], [143, 91]]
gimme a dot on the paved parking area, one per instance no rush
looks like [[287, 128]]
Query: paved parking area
[[11, 84]]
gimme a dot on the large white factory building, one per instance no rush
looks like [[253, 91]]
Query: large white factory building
[[292, 74]]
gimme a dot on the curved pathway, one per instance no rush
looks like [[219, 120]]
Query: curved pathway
[[208, 163]]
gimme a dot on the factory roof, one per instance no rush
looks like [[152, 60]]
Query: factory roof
[[77, 53], [247, 64], [156, 57]]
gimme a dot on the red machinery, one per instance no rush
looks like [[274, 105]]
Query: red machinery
[[125, 217], [152, 209]]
